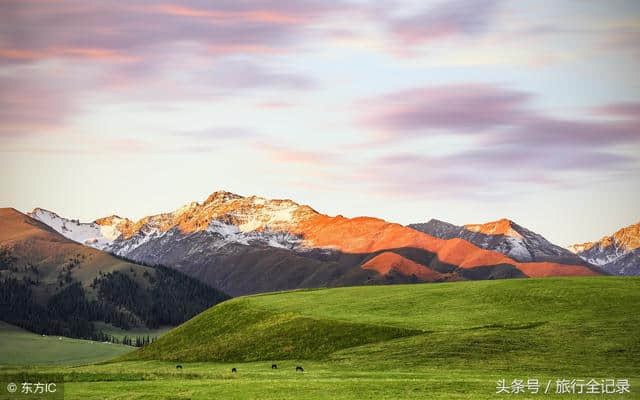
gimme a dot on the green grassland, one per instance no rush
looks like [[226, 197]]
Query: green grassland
[[119, 333], [441, 341], [19, 347]]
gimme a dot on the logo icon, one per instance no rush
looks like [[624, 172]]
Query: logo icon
[[12, 387]]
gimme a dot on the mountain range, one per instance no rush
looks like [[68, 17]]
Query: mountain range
[[618, 253], [504, 236], [244, 245], [52, 285]]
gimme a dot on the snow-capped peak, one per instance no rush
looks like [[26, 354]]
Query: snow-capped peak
[[610, 249], [236, 218], [253, 213]]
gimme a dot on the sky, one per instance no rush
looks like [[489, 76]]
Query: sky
[[465, 111]]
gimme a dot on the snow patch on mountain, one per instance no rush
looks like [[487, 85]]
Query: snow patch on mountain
[[91, 234], [604, 257], [514, 247], [123, 247], [228, 233], [234, 234], [270, 216], [227, 218]]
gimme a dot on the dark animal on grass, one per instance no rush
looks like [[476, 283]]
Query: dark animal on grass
[[274, 366], [178, 366], [234, 370], [299, 368]]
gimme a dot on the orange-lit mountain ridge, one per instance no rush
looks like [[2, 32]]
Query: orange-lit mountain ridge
[[505, 237], [618, 253], [252, 244]]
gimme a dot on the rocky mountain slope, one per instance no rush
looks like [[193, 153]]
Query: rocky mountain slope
[[251, 244], [617, 254], [504, 236], [50, 284]]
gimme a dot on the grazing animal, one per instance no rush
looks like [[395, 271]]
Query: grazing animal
[[274, 366], [299, 368], [234, 370], [178, 366]]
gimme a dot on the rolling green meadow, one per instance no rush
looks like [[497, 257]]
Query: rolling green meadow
[[435, 341], [19, 347]]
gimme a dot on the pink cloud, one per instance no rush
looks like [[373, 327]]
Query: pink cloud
[[95, 54], [460, 17], [221, 49], [620, 110], [462, 106], [488, 172], [274, 16], [22, 55], [512, 143], [34, 29], [496, 114], [32, 105], [236, 74]]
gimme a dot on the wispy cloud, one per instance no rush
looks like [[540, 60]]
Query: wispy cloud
[[237, 74], [37, 29], [446, 19], [502, 114], [31, 105], [276, 16], [506, 139], [620, 110], [467, 108], [144, 51], [492, 172]]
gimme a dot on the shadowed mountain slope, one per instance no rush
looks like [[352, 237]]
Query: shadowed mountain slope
[[53, 285], [251, 244]]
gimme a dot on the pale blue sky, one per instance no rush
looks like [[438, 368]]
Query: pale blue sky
[[466, 111]]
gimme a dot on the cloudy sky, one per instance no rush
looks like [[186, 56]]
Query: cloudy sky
[[465, 110]]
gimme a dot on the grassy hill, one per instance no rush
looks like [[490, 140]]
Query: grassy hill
[[424, 341], [19, 347], [580, 324]]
